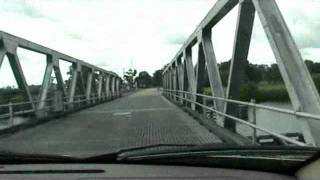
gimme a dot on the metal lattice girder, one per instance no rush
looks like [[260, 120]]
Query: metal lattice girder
[[302, 91], [9, 45]]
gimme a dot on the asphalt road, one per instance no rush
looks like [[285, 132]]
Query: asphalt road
[[142, 118]]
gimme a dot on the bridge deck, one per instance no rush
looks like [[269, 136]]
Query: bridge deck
[[142, 118]]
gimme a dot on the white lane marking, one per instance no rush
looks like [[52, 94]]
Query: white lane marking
[[129, 110], [122, 113]]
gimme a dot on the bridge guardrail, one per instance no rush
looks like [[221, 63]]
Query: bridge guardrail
[[186, 97], [11, 110]]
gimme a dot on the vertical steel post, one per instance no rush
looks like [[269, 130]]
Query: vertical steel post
[[56, 68], [174, 81], [254, 121], [89, 86], [107, 88], [118, 87], [10, 114], [113, 83], [192, 83], [99, 86], [46, 83], [73, 84]]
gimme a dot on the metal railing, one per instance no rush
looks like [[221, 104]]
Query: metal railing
[[186, 96], [11, 110]]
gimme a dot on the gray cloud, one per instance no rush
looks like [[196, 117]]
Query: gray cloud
[[21, 7], [303, 20], [177, 38], [73, 35]]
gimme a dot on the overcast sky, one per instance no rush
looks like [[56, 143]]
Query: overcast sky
[[145, 34]]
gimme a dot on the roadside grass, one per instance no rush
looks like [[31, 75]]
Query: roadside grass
[[261, 92]]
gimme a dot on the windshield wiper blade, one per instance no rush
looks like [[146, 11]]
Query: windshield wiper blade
[[221, 150], [116, 156]]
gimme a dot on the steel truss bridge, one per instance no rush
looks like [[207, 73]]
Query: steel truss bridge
[[146, 116]]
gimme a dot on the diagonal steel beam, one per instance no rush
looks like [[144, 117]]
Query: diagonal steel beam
[[212, 68], [2, 54], [20, 78], [239, 59], [57, 72], [302, 91], [200, 73]]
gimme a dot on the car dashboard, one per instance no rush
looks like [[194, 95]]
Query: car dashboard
[[129, 171]]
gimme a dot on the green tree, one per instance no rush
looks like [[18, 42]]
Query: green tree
[[157, 78], [144, 79], [274, 74], [129, 76]]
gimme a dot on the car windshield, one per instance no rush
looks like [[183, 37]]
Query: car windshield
[[87, 78]]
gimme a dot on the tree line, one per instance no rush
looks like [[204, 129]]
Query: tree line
[[262, 82]]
